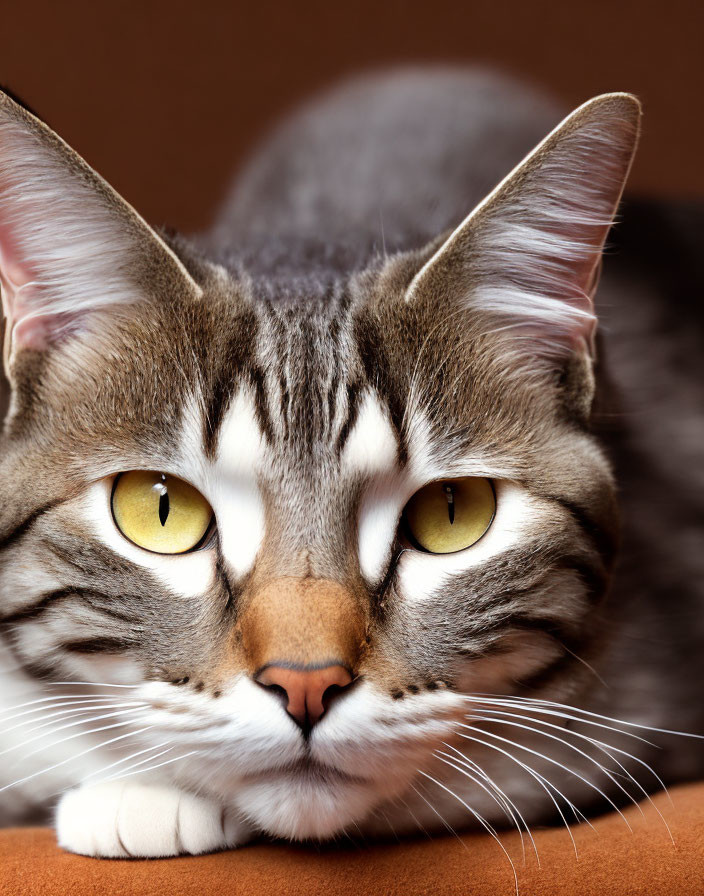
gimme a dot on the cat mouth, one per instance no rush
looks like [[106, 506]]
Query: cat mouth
[[304, 800], [306, 770]]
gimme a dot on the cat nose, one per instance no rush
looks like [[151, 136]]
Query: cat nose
[[308, 691], [305, 638]]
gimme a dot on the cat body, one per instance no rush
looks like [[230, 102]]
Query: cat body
[[342, 338]]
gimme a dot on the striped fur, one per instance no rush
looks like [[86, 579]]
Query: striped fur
[[308, 379]]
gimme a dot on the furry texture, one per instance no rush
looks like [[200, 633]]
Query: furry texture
[[56, 266], [343, 337], [531, 249]]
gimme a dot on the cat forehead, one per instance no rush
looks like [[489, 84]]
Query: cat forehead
[[356, 429], [312, 384]]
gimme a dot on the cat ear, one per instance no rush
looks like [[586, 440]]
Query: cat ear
[[69, 245], [530, 252]]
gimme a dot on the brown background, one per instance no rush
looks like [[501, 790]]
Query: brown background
[[164, 98]]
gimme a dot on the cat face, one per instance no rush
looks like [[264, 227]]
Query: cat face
[[392, 499]]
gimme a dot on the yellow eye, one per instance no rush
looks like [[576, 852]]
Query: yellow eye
[[449, 516], [160, 513]]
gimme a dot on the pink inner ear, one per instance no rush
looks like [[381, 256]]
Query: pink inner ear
[[33, 333], [28, 330]]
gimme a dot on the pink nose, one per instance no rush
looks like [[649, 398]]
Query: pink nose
[[305, 689]]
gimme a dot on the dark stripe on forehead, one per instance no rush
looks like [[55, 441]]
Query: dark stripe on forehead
[[223, 367], [379, 376], [333, 389], [309, 359], [218, 399], [342, 305], [353, 391], [284, 398], [261, 405]]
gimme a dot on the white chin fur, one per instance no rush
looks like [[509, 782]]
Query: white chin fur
[[297, 807]]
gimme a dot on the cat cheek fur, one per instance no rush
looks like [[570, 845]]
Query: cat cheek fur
[[307, 385]]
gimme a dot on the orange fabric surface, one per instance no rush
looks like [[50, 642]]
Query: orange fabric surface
[[612, 860]]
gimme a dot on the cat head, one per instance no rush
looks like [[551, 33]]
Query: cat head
[[306, 531]]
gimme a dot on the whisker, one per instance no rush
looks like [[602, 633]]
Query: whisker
[[606, 748], [62, 740], [53, 702], [504, 804], [94, 684], [447, 826], [585, 664], [364, 840], [380, 813], [77, 756], [553, 762], [63, 713], [547, 785], [122, 773], [400, 799], [151, 768], [101, 771], [484, 823], [513, 810], [537, 707], [570, 746], [496, 791], [596, 715]]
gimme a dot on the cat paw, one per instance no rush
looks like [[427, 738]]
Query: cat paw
[[121, 820]]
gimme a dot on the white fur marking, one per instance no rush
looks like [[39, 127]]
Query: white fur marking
[[121, 819], [371, 451], [236, 498], [371, 445]]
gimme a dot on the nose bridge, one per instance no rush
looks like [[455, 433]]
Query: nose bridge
[[308, 508], [303, 623]]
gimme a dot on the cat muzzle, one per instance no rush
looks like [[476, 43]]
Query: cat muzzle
[[304, 637]]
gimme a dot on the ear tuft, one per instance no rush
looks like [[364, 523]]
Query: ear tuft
[[69, 245], [530, 253]]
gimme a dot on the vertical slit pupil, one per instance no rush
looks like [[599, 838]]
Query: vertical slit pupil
[[450, 495], [163, 506]]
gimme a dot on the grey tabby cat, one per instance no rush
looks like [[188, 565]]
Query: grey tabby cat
[[309, 525]]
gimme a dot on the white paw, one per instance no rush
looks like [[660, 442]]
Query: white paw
[[122, 819]]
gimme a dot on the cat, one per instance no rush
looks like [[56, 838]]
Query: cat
[[343, 517]]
